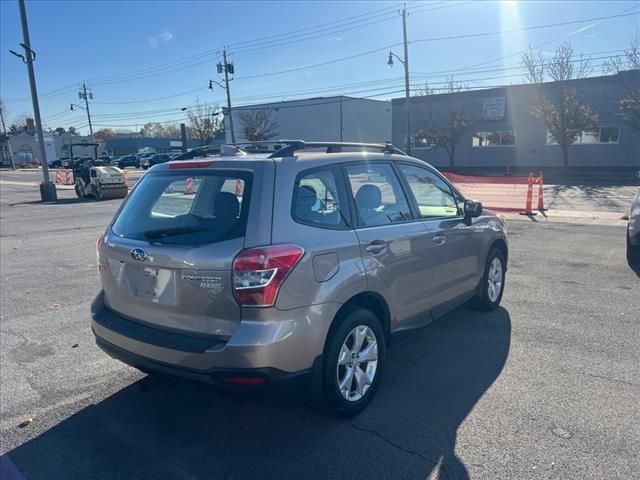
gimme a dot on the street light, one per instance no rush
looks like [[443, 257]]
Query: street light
[[405, 62]]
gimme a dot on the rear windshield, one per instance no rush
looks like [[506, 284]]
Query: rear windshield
[[186, 208]]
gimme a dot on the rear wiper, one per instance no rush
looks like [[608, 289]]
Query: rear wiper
[[169, 232]]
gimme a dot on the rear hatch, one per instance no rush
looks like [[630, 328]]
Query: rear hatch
[[167, 259]]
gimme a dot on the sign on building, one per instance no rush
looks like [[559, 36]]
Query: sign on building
[[493, 108]]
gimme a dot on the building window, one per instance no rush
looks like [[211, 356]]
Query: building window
[[493, 139], [599, 135], [26, 154]]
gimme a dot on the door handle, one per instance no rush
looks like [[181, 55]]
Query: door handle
[[376, 247], [439, 239]]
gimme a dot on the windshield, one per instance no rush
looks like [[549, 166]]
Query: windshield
[[186, 208]]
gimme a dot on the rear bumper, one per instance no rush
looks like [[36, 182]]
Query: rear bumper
[[274, 349]]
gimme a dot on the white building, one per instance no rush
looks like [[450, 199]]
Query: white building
[[335, 119], [26, 149]]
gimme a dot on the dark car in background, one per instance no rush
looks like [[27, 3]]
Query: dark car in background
[[57, 163], [155, 159], [143, 160], [127, 161]]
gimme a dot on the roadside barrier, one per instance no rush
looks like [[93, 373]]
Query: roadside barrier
[[529, 202], [502, 193], [189, 186], [64, 177], [541, 192]]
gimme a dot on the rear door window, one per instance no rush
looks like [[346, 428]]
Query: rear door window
[[315, 200], [186, 208]]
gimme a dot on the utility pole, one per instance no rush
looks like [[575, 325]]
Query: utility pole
[[226, 83], [47, 189], [6, 137], [405, 63], [83, 94], [406, 78], [226, 68]]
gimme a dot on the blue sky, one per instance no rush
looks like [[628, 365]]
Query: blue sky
[[104, 42]]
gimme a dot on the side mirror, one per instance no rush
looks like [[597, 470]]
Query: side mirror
[[472, 209]]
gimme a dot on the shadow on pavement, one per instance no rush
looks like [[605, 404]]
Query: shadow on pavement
[[178, 429]]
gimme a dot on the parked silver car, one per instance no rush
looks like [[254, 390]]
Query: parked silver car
[[633, 231], [248, 269]]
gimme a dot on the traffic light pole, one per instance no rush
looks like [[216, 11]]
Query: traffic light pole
[[47, 189]]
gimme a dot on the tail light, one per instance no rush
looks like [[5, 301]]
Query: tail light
[[259, 272], [98, 245]]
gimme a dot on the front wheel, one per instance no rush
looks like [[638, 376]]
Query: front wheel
[[492, 283], [353, 363], [79, 190]]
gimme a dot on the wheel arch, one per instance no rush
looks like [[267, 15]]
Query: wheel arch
[[501, 245], [371, 301]]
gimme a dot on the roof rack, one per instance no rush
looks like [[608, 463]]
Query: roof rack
[[293, 146]]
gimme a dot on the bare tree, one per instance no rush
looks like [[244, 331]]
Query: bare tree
[[257, 125], [447, 127], [152, 129], [424, 91], [534, 63], [564, 65], [451, 85], [172, 130], [629, 60], [629, 104], [204, 122], [566, 117], [104, 134]]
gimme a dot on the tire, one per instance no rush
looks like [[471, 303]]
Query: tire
[[356, 322], [633, 251], [487, 298], [78, 190]]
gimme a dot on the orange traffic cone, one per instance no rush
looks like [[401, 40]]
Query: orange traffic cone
[[528, 206], [541, 193]]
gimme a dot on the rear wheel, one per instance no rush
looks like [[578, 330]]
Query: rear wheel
[[353, 363], [633, 251], [492, 284]]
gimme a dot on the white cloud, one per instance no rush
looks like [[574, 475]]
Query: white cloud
[[163, 37]]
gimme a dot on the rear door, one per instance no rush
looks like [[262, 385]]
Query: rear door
[[394, 246], [456, 245], [167, 258]]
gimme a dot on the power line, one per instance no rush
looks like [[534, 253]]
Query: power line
[[313, 35], [153, 99]]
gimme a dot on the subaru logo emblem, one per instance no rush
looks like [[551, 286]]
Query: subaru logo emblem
[[138, 254]]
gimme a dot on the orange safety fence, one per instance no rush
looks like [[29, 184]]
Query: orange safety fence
[[507, 194]]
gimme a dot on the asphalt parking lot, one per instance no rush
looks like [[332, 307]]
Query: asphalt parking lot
[[545, 387]]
